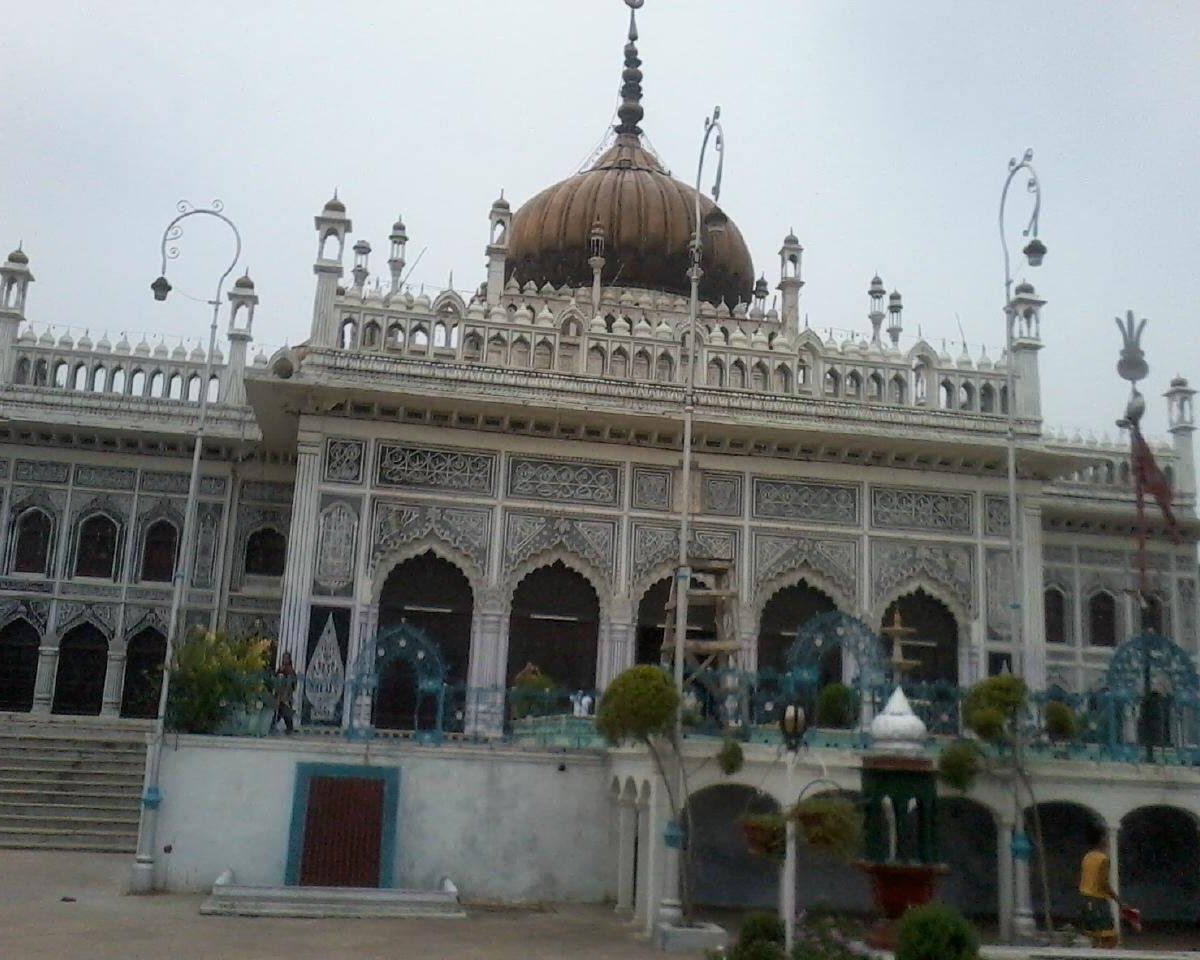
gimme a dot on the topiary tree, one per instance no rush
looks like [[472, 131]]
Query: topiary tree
[[935, 932], [837, 706]]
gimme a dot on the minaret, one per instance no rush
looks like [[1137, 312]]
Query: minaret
[[497, 248], [596, 261], [242, 301], [1026, 342], [876, 292], [332, 227], [896, 322], [790, 283], [1182, 424], [15, 279], [362, 250], [399, 240]]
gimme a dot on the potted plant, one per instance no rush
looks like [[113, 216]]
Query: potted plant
[[217, 679], [765, 834], [837, 707], [533, 693]]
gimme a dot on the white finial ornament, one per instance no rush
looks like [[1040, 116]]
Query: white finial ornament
[[897, 729]]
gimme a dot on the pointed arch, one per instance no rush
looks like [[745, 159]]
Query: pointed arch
[[716, 373], [554, 623], [833, 383], [853, 385], [596, 361], [664, 368], [618, 365], [737, 375], [641, 365], [759, 377], [934, 622], [875, 388], [899, 389], [782, 383], [19, 642]]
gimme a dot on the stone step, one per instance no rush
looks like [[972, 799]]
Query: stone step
[[59, 779], [90, 808], [64, 823], [228, 899], [11, 793], [49, 839], [67, 754]]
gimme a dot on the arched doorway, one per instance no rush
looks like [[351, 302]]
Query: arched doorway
[[18, 665], [933, 622], [653, 619], [967, 841], [144, 656], [826, 882], [722, 872], [784, 614], [555, 625], [82, 662], [1065, 828], [1159, 861], [434, 595]]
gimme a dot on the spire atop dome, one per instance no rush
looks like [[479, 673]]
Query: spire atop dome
[[631, 111]]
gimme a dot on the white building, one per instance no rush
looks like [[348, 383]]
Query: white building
[[502, 470]]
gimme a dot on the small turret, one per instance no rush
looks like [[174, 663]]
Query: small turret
[[332, 227], [596, 241], [876, 292], [1025, 311], [500, 219], [399, 241], [242, 303], [790, 255], [1182, 424], [15, 279], [896, 317], [362, 250]]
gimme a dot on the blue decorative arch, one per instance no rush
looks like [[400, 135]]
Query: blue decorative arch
[[406, 643], [833, 631], [1150, 659]]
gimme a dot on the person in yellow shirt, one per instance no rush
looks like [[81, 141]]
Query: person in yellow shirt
[[1096, 891]]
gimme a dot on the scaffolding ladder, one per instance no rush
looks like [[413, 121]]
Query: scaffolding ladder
[[712, 586]]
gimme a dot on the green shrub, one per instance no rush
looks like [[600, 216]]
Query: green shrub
[[760, 926], [639, 704], [212, 675], [831, 824], [959, 764], [837, 706], [758, 950], [994, 705], [766, 834], [533, 693], [1060, 721], [935, 932], [730, 757]]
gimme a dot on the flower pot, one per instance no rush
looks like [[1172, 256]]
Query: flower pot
[[896, 887]]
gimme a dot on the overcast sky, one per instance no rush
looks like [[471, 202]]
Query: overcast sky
[[880, 132]]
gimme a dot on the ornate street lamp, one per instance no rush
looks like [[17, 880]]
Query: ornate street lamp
[[142, 880]]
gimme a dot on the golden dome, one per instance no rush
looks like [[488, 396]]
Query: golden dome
[[647, 219]]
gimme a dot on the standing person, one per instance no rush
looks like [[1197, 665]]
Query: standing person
[[285, 690], [1096, 891]]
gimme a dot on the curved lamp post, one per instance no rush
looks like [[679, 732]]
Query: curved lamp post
[[142, 880], [714, 222], [1034, 251]]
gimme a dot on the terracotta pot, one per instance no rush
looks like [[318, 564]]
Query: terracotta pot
[[896, 887]]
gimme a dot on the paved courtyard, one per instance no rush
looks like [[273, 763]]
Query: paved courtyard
[[102, 923]]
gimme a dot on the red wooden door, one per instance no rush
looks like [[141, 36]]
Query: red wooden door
[[343, 832]]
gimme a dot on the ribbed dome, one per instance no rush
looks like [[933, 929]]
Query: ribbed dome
[[648, 222]]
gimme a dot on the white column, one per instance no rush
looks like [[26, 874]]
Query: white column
[[302, 542], [627, 826], [617, 652], [114, 683], [1004, 879], [356, 704], [650, 877], [1033, 623], [1025, 924], [485, 669], [43, 687]]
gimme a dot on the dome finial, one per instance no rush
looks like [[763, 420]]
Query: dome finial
[[630, 111]]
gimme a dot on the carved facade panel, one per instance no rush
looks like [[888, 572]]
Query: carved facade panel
[[802, 500], [432, 469], [26, 586], [1094, 557], [3, 469], [651, 488], [721, 494], [995, 516], [1187, 613], [1058, 553], [157, 594], [466, 529], [267, 491], [42, 471], [833, 558], [337, 536], [36, 612], [592, 540], [154, 481], [564, 481], [344, 460], [104, 478], [654, 545], [208, 536], [252, 625], [250, 518], [71, 613], [94, 591], [138, 619], [949, 566], [900, 508]]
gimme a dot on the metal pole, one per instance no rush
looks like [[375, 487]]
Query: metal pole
[[142, 876], [787, 898]]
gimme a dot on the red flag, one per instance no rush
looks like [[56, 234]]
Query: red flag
[[1150, 479]]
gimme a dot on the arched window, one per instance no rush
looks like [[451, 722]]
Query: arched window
[[833, 383], [519, 357], [737, 375], [440, 336], [495, 350], [395, 337], [1152, 614], [875, 388], [987, 398], [595, 362], [472, 346], [21, 375], [82, 663], [554, 625], [783, 379], [137, 383], [899, 389], [641, 365], [853, 386], [19, 642], [99, 379], [920, 382], [39, 373], [946, 395], [543, 356], [1054, 604], [144, 658], [664, 368], [157, 384], [347, 334], [176, 388], [1102, 620], [80, 379], [193, 388], [31, 542], [266, 552], [802, 375], [1004, 399], [716, 373], [758, 377], [117, 385], [966, 397], [370, 338], [419, 339], [214, 388], [159, 550], [96, 548], [619, 364]]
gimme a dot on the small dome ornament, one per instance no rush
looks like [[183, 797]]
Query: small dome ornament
[[897, 729]]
